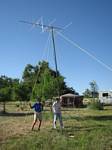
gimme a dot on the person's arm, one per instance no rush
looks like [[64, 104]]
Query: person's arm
[[59, 107], [41, 104], [31, 105], [53, 107]]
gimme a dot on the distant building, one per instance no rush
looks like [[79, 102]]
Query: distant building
[[105, 97], [71, 100]]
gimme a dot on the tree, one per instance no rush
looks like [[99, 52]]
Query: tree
[[43, 81], [87, 93], [5, 90], [38, 80], [94, 89], [29, 74], [92, 92], [29, 77], [5, 95], [48, 85]]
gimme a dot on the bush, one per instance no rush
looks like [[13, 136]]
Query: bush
[[17, 105], [95, 104]]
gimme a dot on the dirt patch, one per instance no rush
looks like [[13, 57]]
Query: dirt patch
[[18, 126]]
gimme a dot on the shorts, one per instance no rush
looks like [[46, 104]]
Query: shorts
[[37, 115]]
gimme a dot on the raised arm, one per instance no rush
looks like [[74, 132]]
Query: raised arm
[[30, 105]]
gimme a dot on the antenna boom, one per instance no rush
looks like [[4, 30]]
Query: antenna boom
[[41, 25]]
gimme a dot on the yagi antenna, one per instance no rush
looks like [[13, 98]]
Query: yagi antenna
[[47, 28], [43, 26], [50, 28], [33, 25]]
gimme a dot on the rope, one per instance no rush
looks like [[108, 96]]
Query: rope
[[67, 25], [45, 47], [85, 51]]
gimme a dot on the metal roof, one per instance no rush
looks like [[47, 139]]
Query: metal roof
[[70, 95]]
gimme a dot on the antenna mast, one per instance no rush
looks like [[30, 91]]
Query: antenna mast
[[55, 58], [50, 29]]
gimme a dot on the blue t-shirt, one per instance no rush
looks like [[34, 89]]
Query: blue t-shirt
[[37, 107]]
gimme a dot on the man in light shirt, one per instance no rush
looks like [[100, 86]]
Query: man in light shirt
[[56, 108]]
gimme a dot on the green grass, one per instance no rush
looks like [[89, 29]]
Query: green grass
[[84, 130]]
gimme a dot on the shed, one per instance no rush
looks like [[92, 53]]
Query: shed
[[71, 100]]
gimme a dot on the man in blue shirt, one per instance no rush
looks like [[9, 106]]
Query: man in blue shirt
[[37, 113]]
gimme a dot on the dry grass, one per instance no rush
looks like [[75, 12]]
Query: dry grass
[[78, 124]]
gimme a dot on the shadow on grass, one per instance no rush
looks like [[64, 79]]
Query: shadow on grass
[[72, 131], [100, 118], [73, 108], [83, 128], [83, 118], [16, 114]]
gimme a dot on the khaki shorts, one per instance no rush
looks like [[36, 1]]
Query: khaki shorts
[[37, 115]]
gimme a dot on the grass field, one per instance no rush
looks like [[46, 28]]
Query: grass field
[[84, 130]]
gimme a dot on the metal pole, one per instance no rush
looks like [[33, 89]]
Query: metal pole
[[55, 59]]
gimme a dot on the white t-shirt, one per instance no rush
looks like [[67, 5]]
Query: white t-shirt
[[56, 107]]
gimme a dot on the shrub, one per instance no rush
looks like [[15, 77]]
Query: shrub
[[95, 104]]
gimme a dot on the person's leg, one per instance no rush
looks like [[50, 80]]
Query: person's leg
[[54, 121], [60, 120], [35, 120], [33, 124], [39, 124], [40, 120]]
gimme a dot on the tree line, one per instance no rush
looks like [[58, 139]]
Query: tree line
[[39, 80], [36, 80], [91, 92]]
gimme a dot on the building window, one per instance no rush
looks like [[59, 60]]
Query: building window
[[105, 94]]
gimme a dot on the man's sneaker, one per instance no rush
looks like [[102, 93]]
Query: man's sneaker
[[62, 127]]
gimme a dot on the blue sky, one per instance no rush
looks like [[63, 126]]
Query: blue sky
[[91, 28]]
